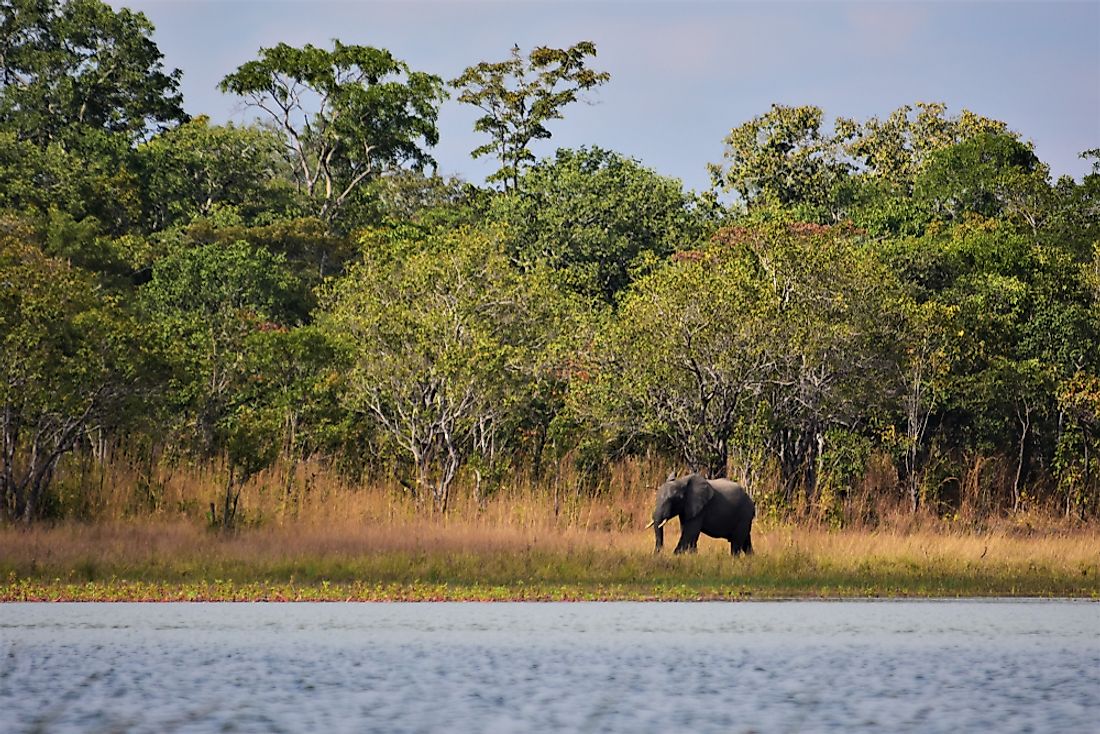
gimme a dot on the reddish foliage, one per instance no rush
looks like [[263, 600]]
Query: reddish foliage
[[688, 256]]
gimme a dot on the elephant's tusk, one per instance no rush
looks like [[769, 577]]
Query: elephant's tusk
[[649, 525], [662, 524]]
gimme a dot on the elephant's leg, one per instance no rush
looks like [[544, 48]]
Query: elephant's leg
[[689, 535], [747, 547]]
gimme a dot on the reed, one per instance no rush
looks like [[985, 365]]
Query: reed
[[445, 557], [308, 533]]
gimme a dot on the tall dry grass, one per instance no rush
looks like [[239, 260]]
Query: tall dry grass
[[311, 526], [122, 544], [619, 497], [311, 493]]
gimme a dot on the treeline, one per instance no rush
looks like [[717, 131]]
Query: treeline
[[903, 306]]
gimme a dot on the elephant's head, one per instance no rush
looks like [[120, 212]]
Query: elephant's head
[[686, 497]]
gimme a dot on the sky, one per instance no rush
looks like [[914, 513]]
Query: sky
[[683, 73]]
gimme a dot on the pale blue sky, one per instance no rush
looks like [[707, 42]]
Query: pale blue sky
[[683, 73]]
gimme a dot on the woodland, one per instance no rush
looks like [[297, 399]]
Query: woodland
[[895, 314]]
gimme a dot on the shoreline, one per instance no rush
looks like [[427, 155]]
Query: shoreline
[[155, 592]]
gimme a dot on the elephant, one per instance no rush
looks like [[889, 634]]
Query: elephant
[[716, 507]]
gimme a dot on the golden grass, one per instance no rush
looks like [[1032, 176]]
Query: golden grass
[[448, 558], [310, 535]]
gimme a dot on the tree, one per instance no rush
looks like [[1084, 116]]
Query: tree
[[985, 174], [832, 313], [683, 361], [787, 158], [1079, 398], [407, 197], [205, 304], [997, 321], [890, 156], [923, 374], [519, 96], [307, 250], [90, 176], [596, 216], [348, 114], [80, 63], [195, 168], [767, 338], [783, 158], [893, 151], [447, 344], [70, 364], [1074, 218], [283, 406]]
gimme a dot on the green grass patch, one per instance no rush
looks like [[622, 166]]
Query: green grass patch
[[537, 576]]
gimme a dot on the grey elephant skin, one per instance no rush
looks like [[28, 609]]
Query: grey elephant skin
[[715, 507]]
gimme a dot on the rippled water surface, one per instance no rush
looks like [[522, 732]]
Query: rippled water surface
[[631, 667]]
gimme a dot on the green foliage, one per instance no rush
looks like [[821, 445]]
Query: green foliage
[[597, 218], [72, 360], [410, 197], [519, 96], [681, 363], [307, 249], [1079, 398], [982, 175], [781, 320], [894, 151], [75, 63], [193, 169], [782, 158], [448, 345], [348, 114], [912, 287], [205, 303], [88, 177]]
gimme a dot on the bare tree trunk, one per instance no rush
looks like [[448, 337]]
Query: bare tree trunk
[[540, 447], [818, 465], [229, 512], [1085, 435], [1025, 426]]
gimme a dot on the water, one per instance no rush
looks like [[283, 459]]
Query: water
[[928, 666]]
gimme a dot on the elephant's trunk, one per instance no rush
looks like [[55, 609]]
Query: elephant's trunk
[[658, 525], [662, 513]]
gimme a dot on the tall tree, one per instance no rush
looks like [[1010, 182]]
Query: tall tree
[[348, 114], [520, 95], [82, 63], [596, 216], [986, 174], [192, 170], [894, 150], [70, 356], [447, 343], [204, 302], [783, 157], [684, 361], [206, 305]]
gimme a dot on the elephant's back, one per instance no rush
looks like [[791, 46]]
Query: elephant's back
[[732, 491]]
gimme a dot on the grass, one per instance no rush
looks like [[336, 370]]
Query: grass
[[309, 535], [446, 559]]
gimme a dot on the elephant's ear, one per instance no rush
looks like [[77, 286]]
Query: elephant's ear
[[697, 495]]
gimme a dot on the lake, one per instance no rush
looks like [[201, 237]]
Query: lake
[[928, 666]]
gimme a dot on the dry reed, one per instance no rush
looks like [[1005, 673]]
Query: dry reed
[[306, 530]]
